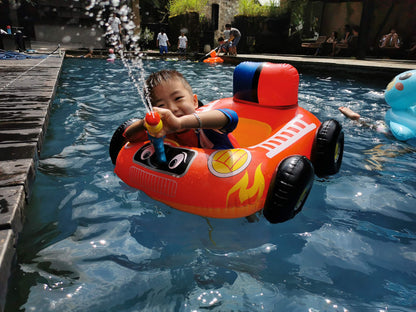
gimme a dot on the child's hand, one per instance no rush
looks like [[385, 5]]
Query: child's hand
[[170, 122]]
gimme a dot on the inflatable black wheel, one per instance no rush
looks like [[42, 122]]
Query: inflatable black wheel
[[118, 141], [289, 189], [328, 148]]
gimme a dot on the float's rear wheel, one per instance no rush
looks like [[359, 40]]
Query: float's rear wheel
[[118, 140], [328, 148], [289, 189]]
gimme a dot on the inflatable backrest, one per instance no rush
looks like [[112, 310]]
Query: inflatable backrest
[[266, 84]]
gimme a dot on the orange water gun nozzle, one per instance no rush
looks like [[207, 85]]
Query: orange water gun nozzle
[[154, 124]]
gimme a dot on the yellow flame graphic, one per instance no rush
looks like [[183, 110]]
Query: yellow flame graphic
[[246, 193]]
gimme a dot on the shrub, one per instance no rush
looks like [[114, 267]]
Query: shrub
[[254, 8], [177, 7]]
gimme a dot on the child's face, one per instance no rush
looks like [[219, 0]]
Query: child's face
[[173, 95]]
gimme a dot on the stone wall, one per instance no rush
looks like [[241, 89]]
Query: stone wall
[[227, 10], [83, 37], [190, 22]]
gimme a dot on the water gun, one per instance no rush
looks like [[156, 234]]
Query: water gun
[[153, 125]]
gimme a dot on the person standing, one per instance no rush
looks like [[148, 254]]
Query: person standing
[[114, 29], [182, 44], [163, 42], [235, 36]]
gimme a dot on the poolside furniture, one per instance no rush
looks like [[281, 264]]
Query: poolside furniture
[[314, 45]]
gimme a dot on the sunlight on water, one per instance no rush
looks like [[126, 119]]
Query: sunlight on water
[[91, 243]]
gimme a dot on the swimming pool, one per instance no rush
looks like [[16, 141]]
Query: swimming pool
[[91, 243]]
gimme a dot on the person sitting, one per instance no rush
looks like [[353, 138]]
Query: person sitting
[[89, 54], [326, 47], [333, 38], [343, 43], [171, 96], [390, 40]]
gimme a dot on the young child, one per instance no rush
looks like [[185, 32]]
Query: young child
[[111, 55], [223, 45], [172, 97], [182, 44]]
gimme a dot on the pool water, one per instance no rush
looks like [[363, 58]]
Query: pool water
[[91, 243]]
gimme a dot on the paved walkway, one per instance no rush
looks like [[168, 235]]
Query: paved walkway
[[26, 93], [369, 68]]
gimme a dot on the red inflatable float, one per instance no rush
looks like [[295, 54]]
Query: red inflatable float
[[213, 58], [281, 146]]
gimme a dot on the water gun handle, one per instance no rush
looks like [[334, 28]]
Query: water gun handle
[[153, 125]]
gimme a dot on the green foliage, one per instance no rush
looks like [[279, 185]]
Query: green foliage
[[147, 35], [249, 8], [177, 7], [254, 8], [297, 7]]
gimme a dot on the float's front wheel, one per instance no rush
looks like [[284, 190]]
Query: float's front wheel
[[289, 189]]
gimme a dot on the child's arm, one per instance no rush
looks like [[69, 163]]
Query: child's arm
[[136, 132], [214, 119]]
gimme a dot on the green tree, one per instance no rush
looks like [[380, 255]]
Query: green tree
[[178, 7]]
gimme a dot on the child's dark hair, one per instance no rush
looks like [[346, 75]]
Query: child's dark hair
[[162, 76]]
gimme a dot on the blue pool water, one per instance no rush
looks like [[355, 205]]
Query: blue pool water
[[91, 243]]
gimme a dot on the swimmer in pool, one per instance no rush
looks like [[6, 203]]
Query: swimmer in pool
[[379, 126], [378, 154]]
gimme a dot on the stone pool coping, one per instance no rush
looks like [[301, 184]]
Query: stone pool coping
[[26, 94], [25, 101]]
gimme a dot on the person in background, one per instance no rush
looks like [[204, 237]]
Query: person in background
[[171, 96], [333, 38], [235, 36], [353, 40], [89, 54], [114, 29], [327, 45], [162, 42], [390, 40], [223, 46], [182, 44], [379, 126], [226, 34], [343, 43], [111, 55], [411, 52]]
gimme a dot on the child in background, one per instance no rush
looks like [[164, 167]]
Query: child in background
[[223, 45], [182, 44], [172, 97], [111, 55]]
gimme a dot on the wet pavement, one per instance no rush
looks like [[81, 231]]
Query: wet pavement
[[26, 93]]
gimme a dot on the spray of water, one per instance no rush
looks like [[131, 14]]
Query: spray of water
[[129, 38]]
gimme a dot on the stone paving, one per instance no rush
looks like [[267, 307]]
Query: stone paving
[[368, 69], [26, 93]]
